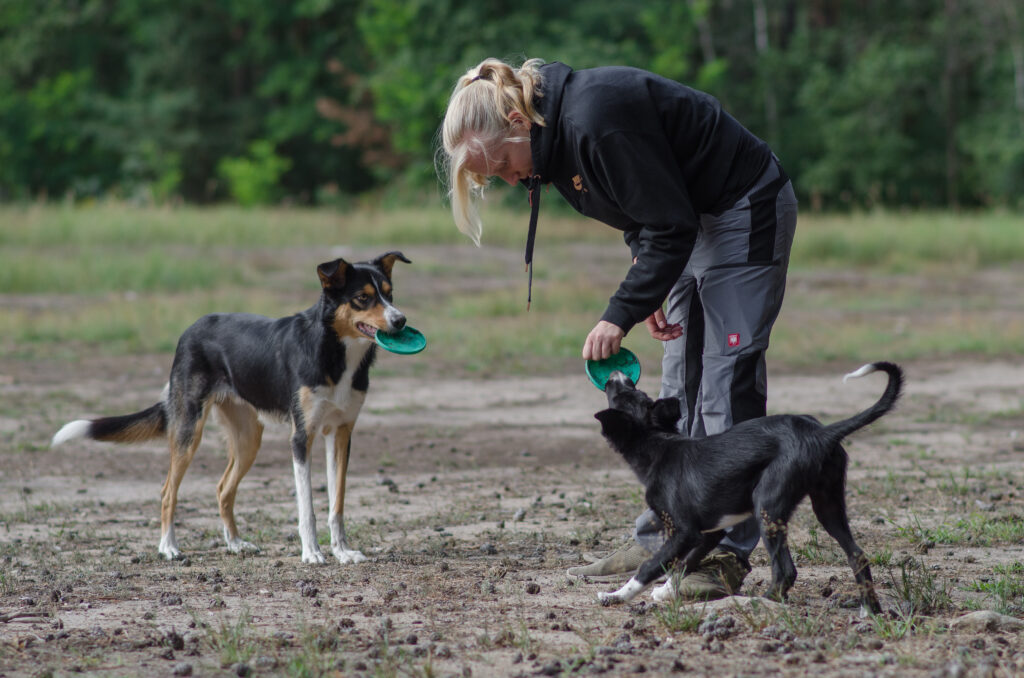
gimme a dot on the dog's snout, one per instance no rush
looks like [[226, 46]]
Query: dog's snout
[[619, 378], [396, 319]]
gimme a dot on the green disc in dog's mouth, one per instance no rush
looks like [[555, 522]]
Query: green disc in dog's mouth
[[624, 361], [407, 341]]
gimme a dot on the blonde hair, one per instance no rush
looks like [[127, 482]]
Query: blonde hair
[[477, 119]]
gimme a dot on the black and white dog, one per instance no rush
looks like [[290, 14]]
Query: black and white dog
[[762, 467], [310, 369]]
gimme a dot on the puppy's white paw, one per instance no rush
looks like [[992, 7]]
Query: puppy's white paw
[[629, 591], [349, 556], [314, 557], [664, 592], [238, 545]]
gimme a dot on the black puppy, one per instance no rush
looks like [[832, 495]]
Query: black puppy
[[761, 467]]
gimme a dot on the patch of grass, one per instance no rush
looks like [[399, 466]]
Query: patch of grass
[[1005, 589], [816, 553], [822, 336], [118, 325], [896, 627], [37, 512], [758, 616], [233, 641], [142, 275], [908, 242], [8, 583], [803, 624], [317, 654], [115, 269], [882, 557], [918, 590], [679, 615], [950, 485], [114, 223], [977, 529]]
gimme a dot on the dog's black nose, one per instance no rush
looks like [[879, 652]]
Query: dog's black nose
[[399, 322]]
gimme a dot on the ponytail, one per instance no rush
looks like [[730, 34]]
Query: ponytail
[[477, 120]]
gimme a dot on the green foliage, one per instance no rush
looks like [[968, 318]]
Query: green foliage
[[254, 179], [867, 104]]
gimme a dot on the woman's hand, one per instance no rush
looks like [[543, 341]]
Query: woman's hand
[[603, 341], [660, 329]]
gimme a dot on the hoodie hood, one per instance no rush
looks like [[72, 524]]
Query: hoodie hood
[[544, 140], [542, 144]]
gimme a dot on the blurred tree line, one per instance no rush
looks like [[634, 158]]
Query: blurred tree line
[[868, 102]]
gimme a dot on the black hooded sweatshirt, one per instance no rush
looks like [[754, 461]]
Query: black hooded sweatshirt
[[645, 155]]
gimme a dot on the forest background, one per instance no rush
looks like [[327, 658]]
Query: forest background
[[869, 103]]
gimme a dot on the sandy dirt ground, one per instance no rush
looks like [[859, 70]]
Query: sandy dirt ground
[[471, 498]]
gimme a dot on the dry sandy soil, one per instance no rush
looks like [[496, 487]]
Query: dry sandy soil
[[471, 498]]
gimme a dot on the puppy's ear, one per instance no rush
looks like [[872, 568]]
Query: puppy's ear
[[665, 414], [332, 273], [386, 261], [616, 424]]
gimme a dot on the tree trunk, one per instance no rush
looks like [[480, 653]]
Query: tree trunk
[[707, 43], [771, 113], [950, 77], [1017, 51]]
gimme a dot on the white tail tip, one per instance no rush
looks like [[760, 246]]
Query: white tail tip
[[863, 371], [70, 431]]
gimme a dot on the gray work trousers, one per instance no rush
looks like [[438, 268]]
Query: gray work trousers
[[727, 300]]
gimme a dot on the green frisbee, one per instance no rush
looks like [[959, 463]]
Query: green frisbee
[[406, 342], [624, 361]]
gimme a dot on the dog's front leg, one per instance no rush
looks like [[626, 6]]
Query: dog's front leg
[[649, 571], [691, 563], [630, 590], [339, 444], [304, 496]]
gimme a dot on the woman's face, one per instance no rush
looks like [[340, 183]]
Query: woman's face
[[510, 160]]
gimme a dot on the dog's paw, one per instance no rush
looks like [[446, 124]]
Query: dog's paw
[[664, 592], [313, 557], [237, 545], [349, 556], [628, 592], [169, 548]]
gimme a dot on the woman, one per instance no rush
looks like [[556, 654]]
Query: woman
[[705, 207]]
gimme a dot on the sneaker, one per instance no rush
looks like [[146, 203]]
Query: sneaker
[[623, 561], [720, 574]]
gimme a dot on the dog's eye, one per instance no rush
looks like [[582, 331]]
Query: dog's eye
[[363, 298]]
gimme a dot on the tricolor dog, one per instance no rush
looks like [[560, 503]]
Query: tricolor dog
[[762, 467], [310, 369]]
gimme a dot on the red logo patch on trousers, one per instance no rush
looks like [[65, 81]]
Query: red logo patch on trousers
[[734, 339]]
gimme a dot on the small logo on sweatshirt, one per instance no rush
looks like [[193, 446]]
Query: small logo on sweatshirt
[[577, 183], [733, 339]]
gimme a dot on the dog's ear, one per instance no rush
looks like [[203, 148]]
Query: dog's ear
[[332, 273], [616, 424], [666, 413], [385, 261]]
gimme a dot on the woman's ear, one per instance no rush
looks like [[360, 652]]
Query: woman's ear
[[517, 119]]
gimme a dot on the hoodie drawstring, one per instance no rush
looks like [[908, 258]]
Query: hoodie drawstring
[[531, 235]]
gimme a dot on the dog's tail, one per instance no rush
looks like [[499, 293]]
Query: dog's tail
[[129, 428], [835, 433]]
